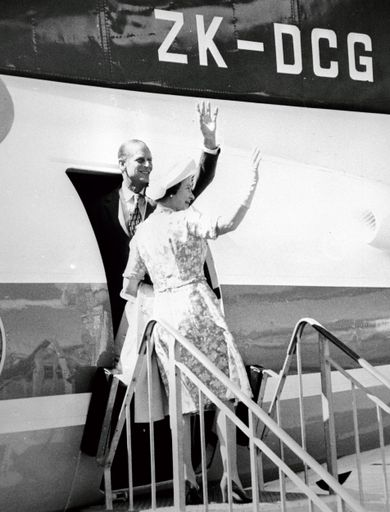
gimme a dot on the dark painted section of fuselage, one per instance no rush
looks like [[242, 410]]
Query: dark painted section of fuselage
[[116, 45]]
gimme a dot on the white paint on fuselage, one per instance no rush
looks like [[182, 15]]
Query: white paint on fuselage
[[304, 227], [311, 383], [43, 412]]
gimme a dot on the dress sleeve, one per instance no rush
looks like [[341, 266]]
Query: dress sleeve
[[201, 224], [135, 267], [133, 274]]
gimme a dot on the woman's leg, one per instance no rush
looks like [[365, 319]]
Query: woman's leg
[[227, 441], [189, 473], [226, 431]]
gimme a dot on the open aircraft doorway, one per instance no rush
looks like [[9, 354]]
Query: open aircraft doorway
[[93, 188]]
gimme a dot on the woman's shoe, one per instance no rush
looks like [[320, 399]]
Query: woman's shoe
[[238, 493], [193, 494]]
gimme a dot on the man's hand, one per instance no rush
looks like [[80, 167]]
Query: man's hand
[[208, 124]]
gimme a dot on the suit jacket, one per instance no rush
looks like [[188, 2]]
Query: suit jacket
[[114, 242]]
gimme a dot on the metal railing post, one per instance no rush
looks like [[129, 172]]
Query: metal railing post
[[176, 419], [282, 479], [301, 407], [327, 407], [259, 458], [108, 487], [151, 422], [106, 425], [129, 457], [228, 467], [202, 434], [357, 443], [254, 464], [383, 455]]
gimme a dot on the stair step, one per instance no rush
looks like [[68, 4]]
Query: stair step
[[268, 500]]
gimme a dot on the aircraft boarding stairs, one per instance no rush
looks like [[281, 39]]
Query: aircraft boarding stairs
[[299, 477]]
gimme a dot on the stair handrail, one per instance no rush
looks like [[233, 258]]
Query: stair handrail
[[256, 443], [327, 363], [296, 336], [306, 458]]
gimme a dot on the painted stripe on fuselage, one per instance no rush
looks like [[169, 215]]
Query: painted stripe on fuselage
[[43, 412], [59, 411], [312, 383]]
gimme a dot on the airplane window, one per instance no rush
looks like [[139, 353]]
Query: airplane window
[[48, 372], [94, 189]]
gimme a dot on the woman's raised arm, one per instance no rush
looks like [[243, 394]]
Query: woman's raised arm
[[229, 222]]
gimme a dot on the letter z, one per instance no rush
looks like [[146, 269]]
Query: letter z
[[178, 19]]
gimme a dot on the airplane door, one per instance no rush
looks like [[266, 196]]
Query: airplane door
[[94, 189]]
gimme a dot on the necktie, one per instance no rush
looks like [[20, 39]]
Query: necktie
[[134, 218]]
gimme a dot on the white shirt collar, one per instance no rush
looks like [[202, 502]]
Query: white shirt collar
[[128, 195]]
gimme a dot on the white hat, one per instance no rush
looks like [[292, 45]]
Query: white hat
[[159, 184]]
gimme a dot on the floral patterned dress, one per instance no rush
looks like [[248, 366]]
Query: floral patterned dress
[[171, 247]]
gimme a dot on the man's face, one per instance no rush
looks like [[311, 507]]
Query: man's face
[[137, 166]]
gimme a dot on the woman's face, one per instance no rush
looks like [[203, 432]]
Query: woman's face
[[184, 196]]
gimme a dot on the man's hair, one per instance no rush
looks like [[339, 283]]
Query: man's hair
[[123, 150]]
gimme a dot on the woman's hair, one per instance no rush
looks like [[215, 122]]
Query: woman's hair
[[171, 191]]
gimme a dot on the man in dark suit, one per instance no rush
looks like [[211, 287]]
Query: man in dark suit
[[123, 208]]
